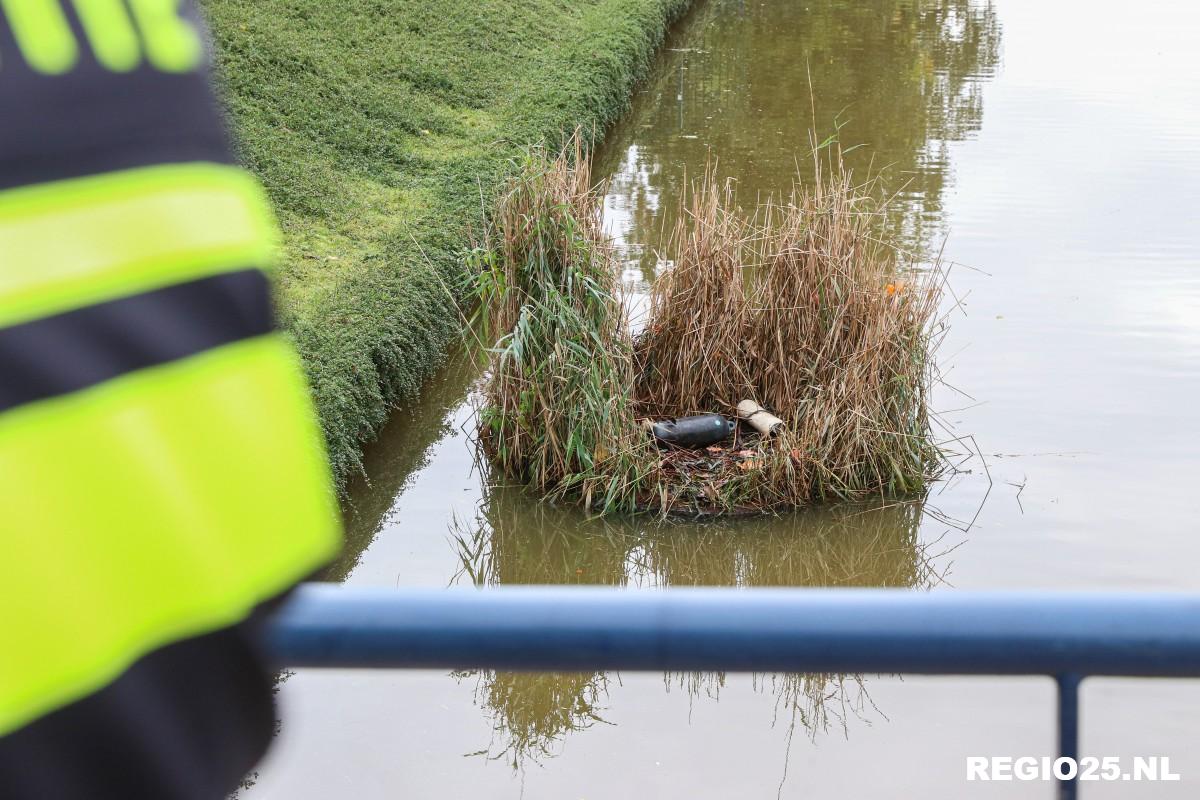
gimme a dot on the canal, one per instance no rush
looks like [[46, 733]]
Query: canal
[[1051, 150]]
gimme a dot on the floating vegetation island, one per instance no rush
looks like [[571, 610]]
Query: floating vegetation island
[[805, 308]]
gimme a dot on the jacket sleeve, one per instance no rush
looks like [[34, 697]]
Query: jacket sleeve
[[162, 477]]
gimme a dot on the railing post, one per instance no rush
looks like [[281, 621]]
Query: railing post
[[1068, 730]]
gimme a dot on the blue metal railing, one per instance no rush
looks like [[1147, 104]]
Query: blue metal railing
[[1067, 636]]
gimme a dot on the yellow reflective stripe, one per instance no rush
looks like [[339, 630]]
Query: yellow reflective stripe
[[82, 241], [157, 506], [172, 43], [110, 32], [43, 34]]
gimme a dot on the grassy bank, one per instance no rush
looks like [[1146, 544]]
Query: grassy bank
[[375, 126]]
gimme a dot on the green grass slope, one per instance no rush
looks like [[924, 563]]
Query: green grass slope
[[378, 128]]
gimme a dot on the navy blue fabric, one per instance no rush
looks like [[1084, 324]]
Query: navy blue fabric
[[89, 120], [80, 348], [186, 722]]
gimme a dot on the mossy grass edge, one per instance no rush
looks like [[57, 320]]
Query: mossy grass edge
[[382, 129]]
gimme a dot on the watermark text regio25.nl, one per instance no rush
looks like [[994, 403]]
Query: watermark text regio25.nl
[[1064, 768]]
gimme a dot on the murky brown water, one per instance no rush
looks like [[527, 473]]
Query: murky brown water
[[1057, 145]]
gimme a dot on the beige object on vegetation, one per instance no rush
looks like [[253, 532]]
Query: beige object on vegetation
[[759, 418]]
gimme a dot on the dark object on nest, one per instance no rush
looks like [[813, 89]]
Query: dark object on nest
[[701, 430]]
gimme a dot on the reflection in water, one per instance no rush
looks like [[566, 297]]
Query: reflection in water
[[532, 713], [746, 85], [514, 541], [401, 452]]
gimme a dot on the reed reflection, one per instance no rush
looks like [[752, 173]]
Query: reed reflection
[[514, 540], [899, 80]]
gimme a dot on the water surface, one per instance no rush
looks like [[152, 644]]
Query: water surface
[[1054, 148]]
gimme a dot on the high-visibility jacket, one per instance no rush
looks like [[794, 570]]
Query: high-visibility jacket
[[161, 472]]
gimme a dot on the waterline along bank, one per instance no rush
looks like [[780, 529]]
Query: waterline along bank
[[380, 132]]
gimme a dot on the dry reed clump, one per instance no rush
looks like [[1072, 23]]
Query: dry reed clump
[[806, 309], [830, 329]]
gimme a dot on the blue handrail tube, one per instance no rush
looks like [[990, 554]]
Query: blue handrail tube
[[789, 630]]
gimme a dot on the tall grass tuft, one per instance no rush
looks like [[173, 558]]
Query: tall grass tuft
[[557, 413], [806, 308]]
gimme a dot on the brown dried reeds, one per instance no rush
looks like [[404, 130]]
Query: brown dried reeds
[[830, 327], [691, 361], [807, 309]]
